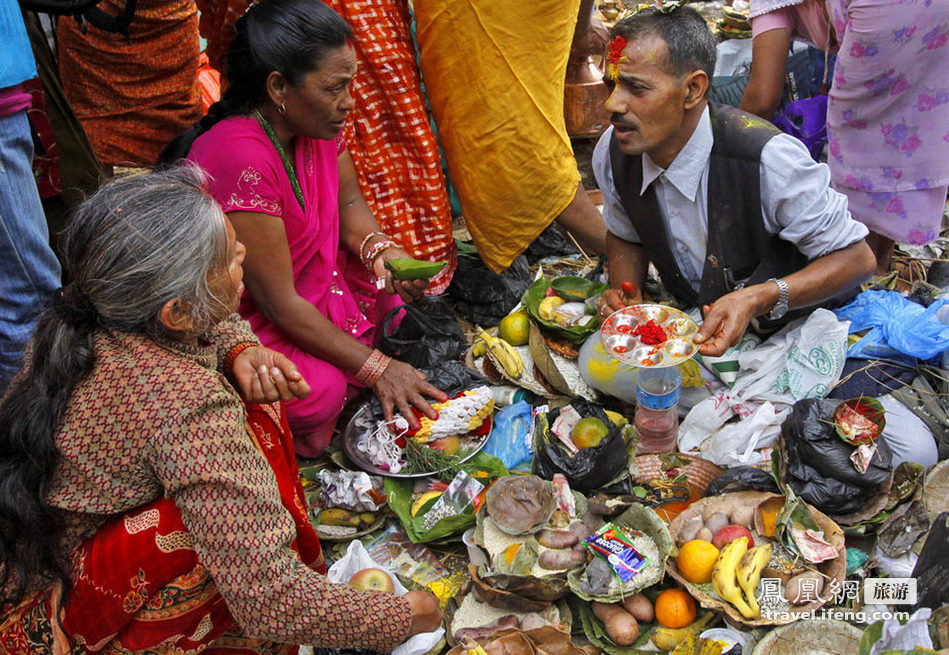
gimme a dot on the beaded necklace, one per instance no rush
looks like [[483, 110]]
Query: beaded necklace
[[294, 182]]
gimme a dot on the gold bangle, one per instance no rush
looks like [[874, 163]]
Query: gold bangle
[[373, 368]]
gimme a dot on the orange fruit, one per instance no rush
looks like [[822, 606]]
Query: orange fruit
[[515, 329], [588, 432], [696, 561], [675, 608]]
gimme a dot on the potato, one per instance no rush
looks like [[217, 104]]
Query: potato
[[704, 534], [743, 515], [556, 538], [561, 560], [621, 626], [798, 592], [640, 607], [690, 529], [716, 522]]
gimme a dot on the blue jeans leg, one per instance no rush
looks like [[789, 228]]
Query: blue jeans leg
[[29, 271]]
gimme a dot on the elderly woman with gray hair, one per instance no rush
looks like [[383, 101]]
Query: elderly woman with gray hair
[[145, 506]]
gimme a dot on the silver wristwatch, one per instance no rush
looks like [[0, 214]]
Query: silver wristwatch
[[781, 306]]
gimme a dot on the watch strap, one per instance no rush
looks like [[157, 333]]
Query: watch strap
[[780, 307]]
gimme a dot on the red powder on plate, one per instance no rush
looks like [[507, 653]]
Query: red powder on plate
[[650, 333]]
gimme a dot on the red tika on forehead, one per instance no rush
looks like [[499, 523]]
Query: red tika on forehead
[[615, 52]]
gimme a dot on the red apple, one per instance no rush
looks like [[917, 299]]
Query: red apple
[[729, 533], [372, 580]]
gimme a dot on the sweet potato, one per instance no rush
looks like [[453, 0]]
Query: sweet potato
[[557, 538], [561, 560], [621, 626], [640, 607]]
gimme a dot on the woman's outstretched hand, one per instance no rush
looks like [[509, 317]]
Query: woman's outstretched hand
[[265, 376], [402, 387]]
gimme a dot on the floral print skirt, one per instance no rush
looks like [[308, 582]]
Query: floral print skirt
[[888, 115]]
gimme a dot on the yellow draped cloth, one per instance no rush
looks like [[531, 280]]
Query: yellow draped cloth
[[494, 73]]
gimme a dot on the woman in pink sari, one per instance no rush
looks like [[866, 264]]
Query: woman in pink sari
[[315, 277], [888, 113]]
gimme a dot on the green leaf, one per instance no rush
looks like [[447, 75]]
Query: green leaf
[[399, 497], [871, 635], [794, 513], [575, 289], [537, 291]]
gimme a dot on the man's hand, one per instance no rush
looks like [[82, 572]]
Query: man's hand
[[726, 321], [265, 376], [615, 299]]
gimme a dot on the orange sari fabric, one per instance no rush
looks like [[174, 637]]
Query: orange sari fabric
[[132, 99], [391, 139]]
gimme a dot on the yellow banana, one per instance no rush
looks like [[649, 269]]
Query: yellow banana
[[504, 355], [725, 575], [547, 306], [478, 349], [749, 572], [668, 638], [336, 516]]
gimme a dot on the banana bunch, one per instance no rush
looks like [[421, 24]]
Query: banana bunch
[[345, 518], [668, 638], [503, 354], [749, 573], [739, 569]]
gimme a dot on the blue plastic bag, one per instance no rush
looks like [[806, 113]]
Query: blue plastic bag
[[900, 330], [510, 438]]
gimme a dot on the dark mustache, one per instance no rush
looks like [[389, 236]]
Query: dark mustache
[[616, 119]]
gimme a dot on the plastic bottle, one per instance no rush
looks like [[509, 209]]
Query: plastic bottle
[[657, 419], [505, 395]]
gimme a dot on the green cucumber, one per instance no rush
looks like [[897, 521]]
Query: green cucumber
[[413, 269]]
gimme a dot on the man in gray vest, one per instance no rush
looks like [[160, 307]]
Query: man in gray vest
[[735, 215]]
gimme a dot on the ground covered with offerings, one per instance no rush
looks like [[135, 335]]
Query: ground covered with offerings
[[801, 506]]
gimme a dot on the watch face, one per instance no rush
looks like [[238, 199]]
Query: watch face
[[779, 310]]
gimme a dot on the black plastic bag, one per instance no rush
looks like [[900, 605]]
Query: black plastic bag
[[826, 494], [819, 468], [742, 478], [428, 334], [549, 243], [809, 436], [590, 468], [483, 297]]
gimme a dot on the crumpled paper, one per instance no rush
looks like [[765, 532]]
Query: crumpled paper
[[355, 560], [915, 633], [355, 491]]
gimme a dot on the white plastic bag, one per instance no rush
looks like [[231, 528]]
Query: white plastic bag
[[704, 431], [355, 560], [803, 360]]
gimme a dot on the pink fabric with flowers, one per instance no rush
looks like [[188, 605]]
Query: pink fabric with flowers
[[888, 115], [248, 175]]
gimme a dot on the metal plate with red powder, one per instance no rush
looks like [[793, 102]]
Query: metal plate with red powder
[[634, 336]]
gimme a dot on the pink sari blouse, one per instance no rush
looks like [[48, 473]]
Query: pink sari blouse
[[248, 175]]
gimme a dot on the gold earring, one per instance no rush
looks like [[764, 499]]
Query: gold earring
[[282, 109]]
